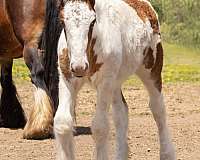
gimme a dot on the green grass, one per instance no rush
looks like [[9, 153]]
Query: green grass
[[181, 64], [20, 71]]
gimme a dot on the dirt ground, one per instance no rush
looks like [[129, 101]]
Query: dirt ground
[[183, 108]]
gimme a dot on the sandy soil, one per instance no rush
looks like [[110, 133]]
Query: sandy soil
[[183, 107]]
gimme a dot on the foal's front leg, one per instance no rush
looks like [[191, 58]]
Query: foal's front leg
[[63, 120], [100, 124]]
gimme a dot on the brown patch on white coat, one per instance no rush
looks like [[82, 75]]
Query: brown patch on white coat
[[157, 67], [64, 63], [154, 64], [145, 12], [92, 57], [148, 59]]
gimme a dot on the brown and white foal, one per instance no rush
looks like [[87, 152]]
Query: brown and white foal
[[105, 42]]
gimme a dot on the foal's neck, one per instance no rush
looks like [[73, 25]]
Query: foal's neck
[[102, 5]]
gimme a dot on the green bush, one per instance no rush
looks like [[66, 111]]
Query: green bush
[[180, 21]]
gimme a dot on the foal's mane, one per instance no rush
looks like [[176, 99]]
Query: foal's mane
[[49, 43]]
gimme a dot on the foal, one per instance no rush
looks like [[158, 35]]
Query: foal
[[105, 42]]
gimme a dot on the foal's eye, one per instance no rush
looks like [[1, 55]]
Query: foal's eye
[[93, 22]]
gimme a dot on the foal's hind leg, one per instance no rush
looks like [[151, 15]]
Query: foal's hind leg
[[153, 85], [120, 117], [11, 112]]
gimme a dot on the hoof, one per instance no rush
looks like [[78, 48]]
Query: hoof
[[14, 119], [38, 133], [169, 154], [167, 157], [14, 125]]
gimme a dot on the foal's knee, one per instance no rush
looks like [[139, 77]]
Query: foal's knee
[[63, 124]]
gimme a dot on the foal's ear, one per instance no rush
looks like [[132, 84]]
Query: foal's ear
[[62, 2]]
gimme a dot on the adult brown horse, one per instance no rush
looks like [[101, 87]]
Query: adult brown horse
[[29, 28]]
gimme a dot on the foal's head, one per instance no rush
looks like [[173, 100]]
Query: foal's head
[[78, 17]]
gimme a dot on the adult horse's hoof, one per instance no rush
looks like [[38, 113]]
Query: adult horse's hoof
[[13, 121], [39, 125], [38, 133], [11, 114], [14, 125]]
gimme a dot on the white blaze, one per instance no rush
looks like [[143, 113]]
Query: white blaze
[[77, 17]]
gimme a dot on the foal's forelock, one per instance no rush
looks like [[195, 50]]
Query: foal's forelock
[[90, 3]]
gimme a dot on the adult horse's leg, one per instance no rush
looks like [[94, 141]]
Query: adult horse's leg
[[153, 84], [11, 112], [120, 117], [63, 120], [39, 124]]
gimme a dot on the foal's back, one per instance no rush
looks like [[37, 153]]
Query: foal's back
[[132, 29]]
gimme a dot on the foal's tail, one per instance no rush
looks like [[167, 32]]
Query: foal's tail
[[48, 44]]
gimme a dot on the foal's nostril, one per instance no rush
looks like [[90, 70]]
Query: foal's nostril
[[72, 69], [86, 66]]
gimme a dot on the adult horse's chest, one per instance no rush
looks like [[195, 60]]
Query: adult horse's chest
[[8, 42]]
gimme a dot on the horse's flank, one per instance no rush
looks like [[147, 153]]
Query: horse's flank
[[9, 47]]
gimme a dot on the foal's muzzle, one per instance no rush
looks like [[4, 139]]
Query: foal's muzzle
[[79, 70]]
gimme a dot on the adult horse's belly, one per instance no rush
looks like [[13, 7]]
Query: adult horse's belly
[[9, 45]]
